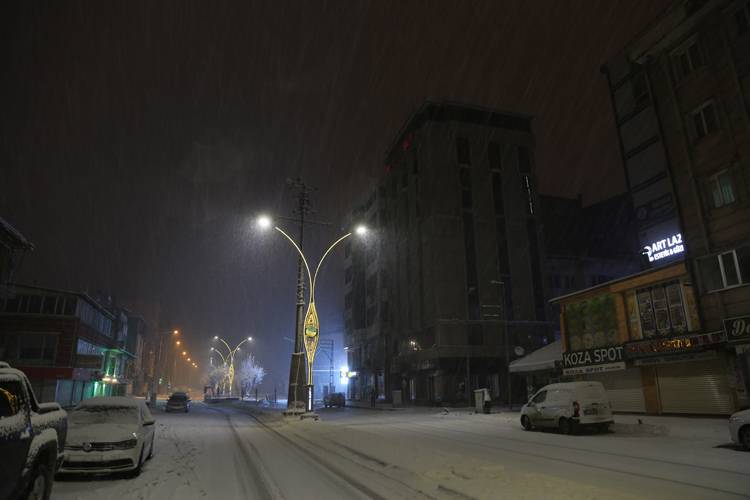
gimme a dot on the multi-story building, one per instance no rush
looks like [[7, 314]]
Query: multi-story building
[[449, 285], [680, 94], [64, 341]]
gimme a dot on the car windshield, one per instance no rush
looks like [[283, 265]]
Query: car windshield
[[178, 398], [103, 415]]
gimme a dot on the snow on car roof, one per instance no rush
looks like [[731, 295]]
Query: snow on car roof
[[110, 402]]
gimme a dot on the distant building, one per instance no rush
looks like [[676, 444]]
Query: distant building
[[680, 93], [13, 246], [586, 246], [455, 261], [64, 341]]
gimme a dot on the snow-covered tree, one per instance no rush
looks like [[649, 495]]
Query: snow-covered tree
[[217, 378], [251, 374]]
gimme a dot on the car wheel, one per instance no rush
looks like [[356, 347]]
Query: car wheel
[[745, 437], [526, 423], [41, 483], [603, 428], [565, 426]]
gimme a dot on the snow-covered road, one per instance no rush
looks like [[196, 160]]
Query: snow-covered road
[[231, 452]]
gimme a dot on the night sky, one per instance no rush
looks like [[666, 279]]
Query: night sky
[[139, 139]]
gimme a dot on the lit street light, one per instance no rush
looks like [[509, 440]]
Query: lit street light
[[229, 358], [311, 324]]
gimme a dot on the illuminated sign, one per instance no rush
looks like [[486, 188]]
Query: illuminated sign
[[669, 246], [602, 359], [738, 329], [695, 342]]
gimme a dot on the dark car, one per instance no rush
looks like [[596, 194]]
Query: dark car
[[334, 399], [178, 401], [32, 437]]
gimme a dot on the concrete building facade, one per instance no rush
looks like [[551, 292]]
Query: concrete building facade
[[680, 93], [450, 284]]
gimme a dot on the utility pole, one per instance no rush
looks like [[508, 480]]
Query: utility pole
[[297, 366]]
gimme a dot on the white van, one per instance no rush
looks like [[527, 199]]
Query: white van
[[568, 406]]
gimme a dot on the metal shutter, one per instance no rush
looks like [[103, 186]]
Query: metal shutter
[[694, 387], [624, 389]]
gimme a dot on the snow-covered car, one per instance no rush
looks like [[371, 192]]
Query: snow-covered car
[[108, 434], [739, 428], [334, 399], [32, 436], [568, 406], [178, 401]]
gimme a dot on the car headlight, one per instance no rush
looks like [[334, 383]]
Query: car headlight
[[126, 445], [734, 420]]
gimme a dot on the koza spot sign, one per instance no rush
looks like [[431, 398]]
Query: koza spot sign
[[671, 245]]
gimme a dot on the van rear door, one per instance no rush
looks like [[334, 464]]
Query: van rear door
[[593, 401]]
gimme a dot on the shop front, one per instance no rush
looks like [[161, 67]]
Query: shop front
[[641, 337]]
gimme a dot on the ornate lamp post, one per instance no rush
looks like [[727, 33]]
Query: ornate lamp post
[[311, 323], [229, 359]]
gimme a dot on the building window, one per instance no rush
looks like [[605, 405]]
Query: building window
[[722, 192], [687, 59], [704, 119], [37, 348], [639, 88], [463, 155], [742, 20], [524, 162], [661, 310], [493, 157], [725, 270]]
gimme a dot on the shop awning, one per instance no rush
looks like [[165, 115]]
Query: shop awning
[[541, 359]]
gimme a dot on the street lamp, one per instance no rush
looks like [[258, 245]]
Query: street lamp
[[311, 324], [229, 359]]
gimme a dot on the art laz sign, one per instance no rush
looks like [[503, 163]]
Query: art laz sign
[[738, 329], [602, 359]]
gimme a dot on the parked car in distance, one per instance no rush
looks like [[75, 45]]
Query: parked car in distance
[[568, 407], [32, 436], [739, 428], [109, 434], [178, 401], [334, 399]]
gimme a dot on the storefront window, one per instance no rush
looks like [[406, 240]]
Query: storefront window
[[591, 323], [661, 310]]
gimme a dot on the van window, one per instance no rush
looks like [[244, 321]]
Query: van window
[[559, 395], [539, 398]]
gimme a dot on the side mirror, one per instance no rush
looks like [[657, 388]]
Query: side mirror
[[49, 408], [150, 421]]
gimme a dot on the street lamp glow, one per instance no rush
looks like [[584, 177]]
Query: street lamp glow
[[264, 222], [250, 339], [176, 332], [177, 343], [184, 353], [361, 230], [188, 360], [216, 337]]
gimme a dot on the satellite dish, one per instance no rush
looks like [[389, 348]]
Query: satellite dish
[[519, 350]]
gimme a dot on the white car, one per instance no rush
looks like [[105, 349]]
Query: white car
[[567, 407], [739, 428], [108, 434]]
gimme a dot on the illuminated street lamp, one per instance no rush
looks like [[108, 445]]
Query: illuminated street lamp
[[311, 324], [229, 359]]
